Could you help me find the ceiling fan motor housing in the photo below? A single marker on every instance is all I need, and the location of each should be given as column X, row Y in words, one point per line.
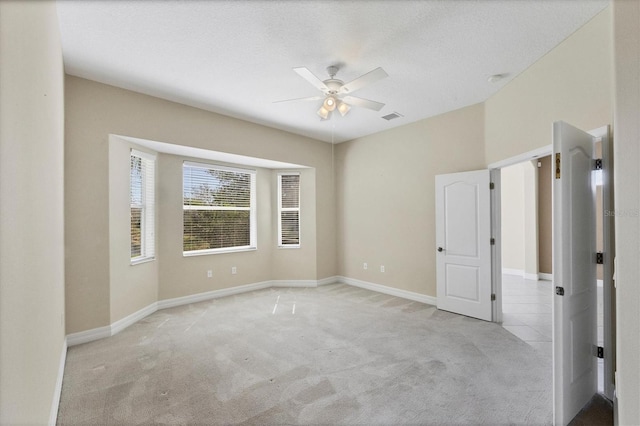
column 334, row 85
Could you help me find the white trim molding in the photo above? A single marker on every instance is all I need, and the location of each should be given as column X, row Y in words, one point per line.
column 405, row 294
column 214, row 294
column 530, row 155
column 125, row 322
column 294, row 283
column 55, row 404
column 527, row 275
column 88, row 335
column 328, row 280
column 516, row 272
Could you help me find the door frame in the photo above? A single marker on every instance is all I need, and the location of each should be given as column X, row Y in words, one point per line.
column 496, row 219
column 608, row 246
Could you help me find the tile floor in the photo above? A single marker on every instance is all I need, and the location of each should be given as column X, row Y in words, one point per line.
column 527, row 310
column 527, row 313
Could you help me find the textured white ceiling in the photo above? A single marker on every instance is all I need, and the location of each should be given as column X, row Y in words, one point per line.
column 236, row 57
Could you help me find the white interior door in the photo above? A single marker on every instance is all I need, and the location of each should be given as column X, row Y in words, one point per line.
column 463, row 234
column 574, row 273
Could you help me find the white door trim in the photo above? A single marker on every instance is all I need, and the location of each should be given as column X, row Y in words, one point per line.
column 496, row 248
column 496, row 220
column 525, row 156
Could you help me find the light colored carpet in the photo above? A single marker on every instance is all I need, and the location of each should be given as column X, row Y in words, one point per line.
column 329, row 355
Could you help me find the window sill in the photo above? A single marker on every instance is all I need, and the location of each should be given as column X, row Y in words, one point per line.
column 217, row 251
column 142, row 260
column 290, row 246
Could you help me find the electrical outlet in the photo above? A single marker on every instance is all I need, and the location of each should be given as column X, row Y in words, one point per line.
column 365, row 266
column 234, row 270
column 381, row 268
column 209, row 273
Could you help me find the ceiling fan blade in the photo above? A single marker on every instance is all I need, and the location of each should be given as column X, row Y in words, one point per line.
column 311, row 78
column 364, row 80
column 364, row 103
column 312, row 98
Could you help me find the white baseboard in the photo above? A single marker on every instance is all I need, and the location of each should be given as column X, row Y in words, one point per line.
column 55, row 404
column 125, row 322
column 88, row 335
column 294, row 283
column 328, row 280
column 214, row 294
column 543, row 276
column 405, row 294
column 526, row 275
column 516, row 272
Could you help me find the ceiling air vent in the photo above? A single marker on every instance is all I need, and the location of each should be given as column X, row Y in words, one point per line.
column 391, row 116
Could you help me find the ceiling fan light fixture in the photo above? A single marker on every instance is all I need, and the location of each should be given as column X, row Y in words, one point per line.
column 329, row 103
column 334, row 90
column 343, row 108
column 323, row 113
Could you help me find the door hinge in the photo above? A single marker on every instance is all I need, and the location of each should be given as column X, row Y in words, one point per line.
column 598, row 164
column 600, row 352
column 558, row 165
column 492, row 185
column 599, row 258
column 560, row 291
column 493, row 297
column 492, row 241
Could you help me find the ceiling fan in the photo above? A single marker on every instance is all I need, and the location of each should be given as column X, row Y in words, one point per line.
column 337, row 93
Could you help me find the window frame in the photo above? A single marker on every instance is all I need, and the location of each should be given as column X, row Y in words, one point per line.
column 253, row 234
column 147, row 207
column 285, row 209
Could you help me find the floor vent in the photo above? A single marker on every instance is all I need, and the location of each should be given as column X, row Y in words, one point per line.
column 392, row 116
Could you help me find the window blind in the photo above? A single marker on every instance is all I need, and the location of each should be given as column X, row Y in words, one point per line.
column 218, row 208
column 142, row 202
column 289, row 210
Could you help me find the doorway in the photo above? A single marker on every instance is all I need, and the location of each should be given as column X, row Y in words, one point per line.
column 527, row 290
column 601, row 187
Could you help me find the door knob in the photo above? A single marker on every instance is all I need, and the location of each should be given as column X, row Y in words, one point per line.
column 440, row 249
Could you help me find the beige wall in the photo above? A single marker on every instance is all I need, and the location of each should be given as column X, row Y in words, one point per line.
column 571, row 83
column 31, row 224
column 519, row 219
column 544, row 216
column 93, row 112
column 512, row 218
column 626, row 56
column 386, row 196
column 530, row 219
